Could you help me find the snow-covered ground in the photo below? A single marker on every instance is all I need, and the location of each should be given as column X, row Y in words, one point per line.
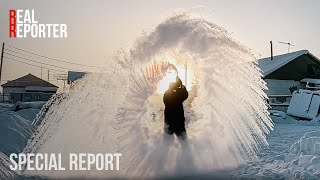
column 293, row 152
column 15, row 130
column 15, row 125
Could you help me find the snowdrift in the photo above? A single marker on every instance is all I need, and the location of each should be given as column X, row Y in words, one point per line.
column 15, row 126
column 27, row 105
column 301, row 161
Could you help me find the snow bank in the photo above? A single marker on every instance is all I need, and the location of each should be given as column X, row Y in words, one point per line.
column 15, row 130
column 5, row 105
column 309, row 144
column 26, row 105
column 301, row 161
column 16, row 127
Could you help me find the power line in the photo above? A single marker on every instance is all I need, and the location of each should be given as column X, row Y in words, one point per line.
column 20, row 53
column 55, row 59
column 32, row 64
column 15, row 52
column 38, row 61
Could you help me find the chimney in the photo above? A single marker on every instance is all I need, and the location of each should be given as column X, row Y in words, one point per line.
column 271, row 50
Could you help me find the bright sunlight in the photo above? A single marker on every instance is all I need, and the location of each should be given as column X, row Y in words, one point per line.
column 186, row 78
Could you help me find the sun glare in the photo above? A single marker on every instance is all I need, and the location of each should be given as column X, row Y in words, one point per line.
column 167, row 79
column 171, row 75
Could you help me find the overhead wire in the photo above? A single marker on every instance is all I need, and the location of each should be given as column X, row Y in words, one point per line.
column 11, row 59
column 55, row 59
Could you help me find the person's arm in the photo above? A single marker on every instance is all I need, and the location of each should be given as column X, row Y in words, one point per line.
column 165, row 98
column 185, row 93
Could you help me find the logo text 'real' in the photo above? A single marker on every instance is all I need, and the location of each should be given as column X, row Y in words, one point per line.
column 23, row 24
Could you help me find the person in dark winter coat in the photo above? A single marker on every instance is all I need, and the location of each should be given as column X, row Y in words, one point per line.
column 174, row 114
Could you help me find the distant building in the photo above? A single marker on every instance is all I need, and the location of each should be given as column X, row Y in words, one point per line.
column 28, row 88
column 74, row 75
column 288, row 72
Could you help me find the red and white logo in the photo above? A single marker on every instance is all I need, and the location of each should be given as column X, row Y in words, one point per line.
column 22, row 24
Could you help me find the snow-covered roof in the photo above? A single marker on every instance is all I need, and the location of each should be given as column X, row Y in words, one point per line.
column 268, row 66
column 28, row 80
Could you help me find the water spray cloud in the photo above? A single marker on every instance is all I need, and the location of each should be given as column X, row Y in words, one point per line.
column 226, row 114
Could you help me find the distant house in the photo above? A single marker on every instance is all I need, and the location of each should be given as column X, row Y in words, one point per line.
column 288, row 72
column 28, row 88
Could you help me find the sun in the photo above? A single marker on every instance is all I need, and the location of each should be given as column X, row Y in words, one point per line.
column 167, row 79
column 184, row 72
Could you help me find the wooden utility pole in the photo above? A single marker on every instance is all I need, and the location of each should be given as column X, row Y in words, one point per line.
column 41, row 72
column 64, row 78
column 271, row 50
column 186, row 74
column 1, row 62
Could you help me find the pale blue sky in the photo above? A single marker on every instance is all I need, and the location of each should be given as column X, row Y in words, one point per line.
column 97, row 29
